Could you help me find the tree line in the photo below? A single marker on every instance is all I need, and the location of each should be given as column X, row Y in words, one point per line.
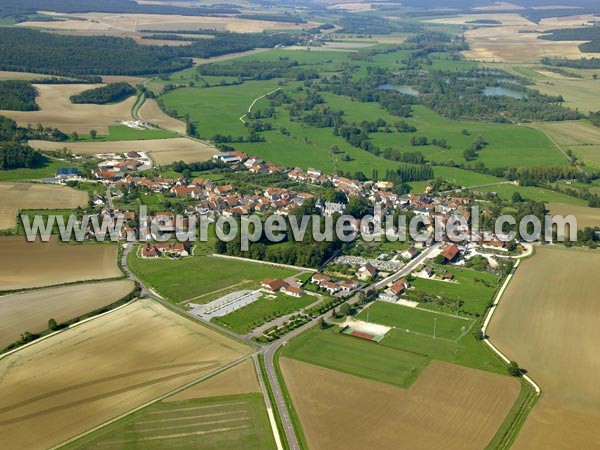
column 18, row 95
column 111, row 93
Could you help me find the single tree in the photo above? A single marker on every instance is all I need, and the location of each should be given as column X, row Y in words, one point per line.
column 514, row 370
column 74, row 136
column 93, row 134
column 52, row 325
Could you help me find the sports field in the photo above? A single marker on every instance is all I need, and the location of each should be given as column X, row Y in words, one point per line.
column 449, row 407
column 547, row 321
column 162, row 151
column 57, row 111
column 36, row 264
column 87, row 375
column 18, row 196
column 30, row 311
column 188, row 278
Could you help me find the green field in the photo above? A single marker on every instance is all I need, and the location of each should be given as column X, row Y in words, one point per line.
column 330, row 349
column 124, row 133
column 47, row 169
column 187, row 278
column 474, row 289
column 262, row 310
column 533, row 193
column 217, row 423
column 412, row 320
column 413, row 332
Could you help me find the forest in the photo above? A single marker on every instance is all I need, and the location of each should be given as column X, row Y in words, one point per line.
column 583, row 63
column 20, row 9
column 111, row 93
column 25, row 50
column 14, row 153
column 591, row 34
column 17, row 95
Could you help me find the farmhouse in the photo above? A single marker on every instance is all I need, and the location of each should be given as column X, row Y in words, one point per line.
column 450, row 253
column 399, row 287
column 410, row 253
column 292, row 291
column 272, row 285
column 166, row 248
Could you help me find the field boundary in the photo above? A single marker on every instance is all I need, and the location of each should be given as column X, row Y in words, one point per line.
column 74, row 325
column 243, row 118
column 151, row 402
column 264, row 263
column 488, row 319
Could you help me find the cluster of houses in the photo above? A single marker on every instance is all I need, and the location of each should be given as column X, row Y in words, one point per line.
column 115, row 166
column 278, row 285
column 334, row 286
column 156, row 250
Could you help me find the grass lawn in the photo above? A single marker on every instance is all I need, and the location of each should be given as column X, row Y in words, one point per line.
column 474, row 289
column 191, row 277
column 123, row 133
column 215, row 423
column 249, row 317
column 328, row 348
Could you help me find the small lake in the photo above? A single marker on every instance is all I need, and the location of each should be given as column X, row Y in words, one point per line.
column 501, row 92
column 402, row 89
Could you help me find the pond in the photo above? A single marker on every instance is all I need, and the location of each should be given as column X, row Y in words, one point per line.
column 402, row 89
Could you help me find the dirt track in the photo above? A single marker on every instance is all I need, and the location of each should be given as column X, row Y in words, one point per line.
column 85, row 376
column 30, row 311
column 35, row 264
column 448, row 407
column 547, row 322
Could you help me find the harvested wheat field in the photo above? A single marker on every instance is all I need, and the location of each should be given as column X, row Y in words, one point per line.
column 87, row 375
column 586, row 217
column 448, row 407
column 57, row 111
column 510, row 44
column 240, row 379
column 163, row 151
column 17, row 196
column 150, row 112
column 547, row 321
column 133, row 22
column 7, row 75
column 31, row 310
column 27, row 265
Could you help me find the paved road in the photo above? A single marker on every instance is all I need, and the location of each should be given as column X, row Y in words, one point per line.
column 270, row 350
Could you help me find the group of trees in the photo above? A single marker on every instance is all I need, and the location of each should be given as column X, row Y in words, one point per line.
column 583, row 63
column 27, row 50
column 595, row 118
column 17, row 95
column 111, row 93
column 260, row 70
column 471, row 152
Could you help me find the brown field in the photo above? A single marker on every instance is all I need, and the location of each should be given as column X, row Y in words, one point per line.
column 87, row 375
column 448, row 407
column 17, row 196
column 135, row 22
column 547, row 322
column 27, row 265
column 30, row 311
column 128, row 79
column 586, row 217
column 150, row 112
column 240, row 379
column 507, row 44
column 464, row 19
column 57, row 111
column 580, row 136
column 163, row 151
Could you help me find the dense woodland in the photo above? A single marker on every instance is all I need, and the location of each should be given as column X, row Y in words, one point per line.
column 583, row 63
column 17, row 95
column 111, row 93
column 591, row 34
column 13, row 152
column 26, row 50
